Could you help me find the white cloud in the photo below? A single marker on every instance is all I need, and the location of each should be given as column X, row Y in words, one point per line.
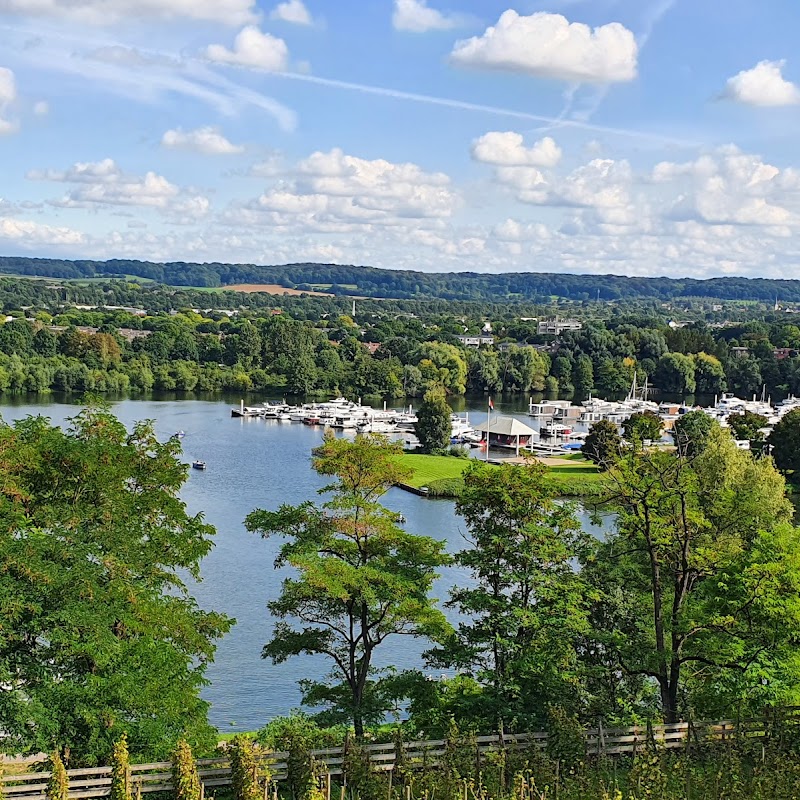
column 208, row 141
column 549, row 46
column 252, row 48
column 107, row 12
column 507, row 149
column 8, row 94
column 103, row 183
column 28, row 232
column 763, row 85
column 512, row 230
column 414, row 16
column 41, row 108
column 729, row 187
column 292, row 11
column 333, row 192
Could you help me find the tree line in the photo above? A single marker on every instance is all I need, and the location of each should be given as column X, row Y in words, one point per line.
column 407, row 284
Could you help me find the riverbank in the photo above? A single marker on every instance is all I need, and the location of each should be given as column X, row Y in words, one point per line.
column 571, row 476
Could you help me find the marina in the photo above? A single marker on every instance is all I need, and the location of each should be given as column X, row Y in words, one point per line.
column 553, row 425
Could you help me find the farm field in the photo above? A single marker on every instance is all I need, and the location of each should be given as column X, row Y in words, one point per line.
column 269, row 288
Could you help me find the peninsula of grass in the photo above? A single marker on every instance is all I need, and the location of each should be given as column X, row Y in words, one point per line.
column 442, row 475
column 427, row 469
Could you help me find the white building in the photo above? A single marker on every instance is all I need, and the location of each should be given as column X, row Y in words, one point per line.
column 476, row 341
column 555, row 327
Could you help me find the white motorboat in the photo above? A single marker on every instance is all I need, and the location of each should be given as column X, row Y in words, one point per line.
column 376, row 426
column 556, row 429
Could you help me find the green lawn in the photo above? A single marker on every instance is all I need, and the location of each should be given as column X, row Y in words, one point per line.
column 570, row 480
column 586, row 470
column 432, row 468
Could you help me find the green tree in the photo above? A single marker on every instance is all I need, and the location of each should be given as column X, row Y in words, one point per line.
column 443, row 364
column 642, row 425
column 709, row 374
column 522, row 617
column 667, row 609
column 45, row 343
column 525, row 369
column 675, row 372
column 359, row 578
column 784, row 442
column 583, row 375
column 747, row 425
column 433, row 426
column 744, row 376
column 603, row 444
column 691, row 431
column 100, row 635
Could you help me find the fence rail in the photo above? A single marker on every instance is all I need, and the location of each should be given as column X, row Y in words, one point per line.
column 91, row 782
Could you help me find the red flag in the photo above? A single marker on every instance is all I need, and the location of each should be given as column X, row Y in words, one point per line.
column 491, row 404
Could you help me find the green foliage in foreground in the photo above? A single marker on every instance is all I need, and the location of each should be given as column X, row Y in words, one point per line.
column 98, row 633
column 740, row 768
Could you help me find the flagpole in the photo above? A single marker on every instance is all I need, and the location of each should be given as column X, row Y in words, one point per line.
column 488, row 427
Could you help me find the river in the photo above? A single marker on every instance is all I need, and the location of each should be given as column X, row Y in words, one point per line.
column 254, row 463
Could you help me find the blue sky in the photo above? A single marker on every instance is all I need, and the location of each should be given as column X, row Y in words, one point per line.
column 642, row 137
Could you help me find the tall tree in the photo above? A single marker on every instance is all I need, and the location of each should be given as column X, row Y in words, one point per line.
column 359, row 578
column 98, row 633
column 433, row 426
column 668, row 607
column 525, row 611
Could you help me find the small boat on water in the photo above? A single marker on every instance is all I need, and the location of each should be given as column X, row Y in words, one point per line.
column 399, row 518
column 198, row 464
column 178, row 435
column 556, row 429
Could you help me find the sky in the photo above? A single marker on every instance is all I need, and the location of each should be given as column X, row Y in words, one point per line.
column 637, row 137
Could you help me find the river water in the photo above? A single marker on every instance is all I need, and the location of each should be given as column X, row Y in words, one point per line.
column 254, row 463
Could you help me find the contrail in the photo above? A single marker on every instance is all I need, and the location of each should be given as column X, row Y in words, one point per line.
column 464, row 105
column 194, row 67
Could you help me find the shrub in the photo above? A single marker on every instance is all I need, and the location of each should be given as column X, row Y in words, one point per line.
column 58, row 783
column 446, row 487
column 457, row 451
column 246, row 777
column 120, row 770
column 185, row 780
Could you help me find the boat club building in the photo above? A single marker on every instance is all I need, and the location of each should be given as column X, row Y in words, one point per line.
column 507, row 432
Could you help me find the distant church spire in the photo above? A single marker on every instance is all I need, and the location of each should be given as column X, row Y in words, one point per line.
column 354, row 308
column 777, row 307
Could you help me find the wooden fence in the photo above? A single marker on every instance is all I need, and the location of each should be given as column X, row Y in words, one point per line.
column 96, row 781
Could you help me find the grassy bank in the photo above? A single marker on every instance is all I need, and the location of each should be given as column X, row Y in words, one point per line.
column 443, row 475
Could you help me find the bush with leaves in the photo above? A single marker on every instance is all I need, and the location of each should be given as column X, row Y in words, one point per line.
column 120, row 770
column 58, row 782
column 248, row 777
column 185, row 780
column 565, row 739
